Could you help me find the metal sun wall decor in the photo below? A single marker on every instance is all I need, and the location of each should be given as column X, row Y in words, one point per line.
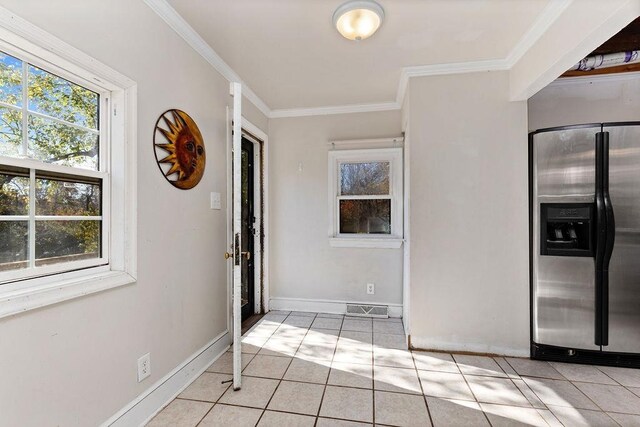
column 179, row 149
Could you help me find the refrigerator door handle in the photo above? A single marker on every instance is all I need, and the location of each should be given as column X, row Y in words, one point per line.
column 610, row 238
column 601, row 334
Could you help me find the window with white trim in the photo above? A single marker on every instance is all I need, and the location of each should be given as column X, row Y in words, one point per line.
column 52, row 174
column 67, row 178
column 366, row 197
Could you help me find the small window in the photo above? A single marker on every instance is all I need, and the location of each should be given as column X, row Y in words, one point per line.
column 366, row 195
column 52, row 174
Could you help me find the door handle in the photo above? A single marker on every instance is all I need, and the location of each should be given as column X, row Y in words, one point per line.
column 247, row 255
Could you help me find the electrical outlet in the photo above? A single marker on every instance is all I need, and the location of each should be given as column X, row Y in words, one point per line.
column 144, row 367
column 371, row 288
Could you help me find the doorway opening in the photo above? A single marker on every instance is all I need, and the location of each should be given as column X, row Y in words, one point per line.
column 252, row 214
column 247, row 244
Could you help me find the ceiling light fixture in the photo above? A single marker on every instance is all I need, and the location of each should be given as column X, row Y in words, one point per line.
column 358, row 19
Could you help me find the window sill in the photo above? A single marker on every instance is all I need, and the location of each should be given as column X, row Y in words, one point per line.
column 365, row 242
column 58, row 288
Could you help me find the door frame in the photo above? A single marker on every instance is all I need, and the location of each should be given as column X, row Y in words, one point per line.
column 261, row 199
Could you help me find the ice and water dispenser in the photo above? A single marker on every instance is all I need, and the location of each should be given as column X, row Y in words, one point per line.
column 567, row 229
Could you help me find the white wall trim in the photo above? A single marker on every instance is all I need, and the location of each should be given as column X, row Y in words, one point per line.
column 546, row 18
column 363, row 242
column 144, row 407
column 337, row 109
column 406, row 250
column 598, row 78
column 426, row 343
column 63, row 287
column 326, row 306
column 191, row 36
column 368, row 142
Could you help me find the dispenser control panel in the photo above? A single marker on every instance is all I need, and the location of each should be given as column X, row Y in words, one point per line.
column 567, row 229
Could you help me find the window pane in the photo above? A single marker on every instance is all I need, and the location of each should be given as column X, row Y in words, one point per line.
column 10, row 80
column 55, row 197
column 10, row 132
column 14, row 238
column 370, row 178
column 66, row 241
column 55, row 142
column 365, row 216
column 14, row 194
column 59, row 98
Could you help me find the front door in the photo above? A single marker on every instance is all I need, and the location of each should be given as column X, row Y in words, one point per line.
column 248, row 222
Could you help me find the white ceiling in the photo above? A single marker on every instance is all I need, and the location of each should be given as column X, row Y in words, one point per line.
column 291, row 56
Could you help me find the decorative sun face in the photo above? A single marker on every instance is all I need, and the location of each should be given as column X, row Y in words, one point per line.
column 184, row 147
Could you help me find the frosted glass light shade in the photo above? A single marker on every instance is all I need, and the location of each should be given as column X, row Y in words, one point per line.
column 358, row 19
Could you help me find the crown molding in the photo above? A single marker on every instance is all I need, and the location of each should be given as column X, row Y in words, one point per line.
column 337, row 109
column 446, row 69
column 547, row 17
column 191, row 36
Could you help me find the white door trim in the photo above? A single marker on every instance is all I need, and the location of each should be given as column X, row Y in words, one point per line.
column 236, row 91
column 262, row 295
column 259, row 140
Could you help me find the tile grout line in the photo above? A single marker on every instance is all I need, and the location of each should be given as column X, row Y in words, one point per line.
column 373, row 376
column 241, row 369
column 471, row 390
column 608, row 376
column 553, row 379
column 290, row 362
column 324, row 391
column 424, row 396
column 585, row 395
column 373, row 388
column 261, row 347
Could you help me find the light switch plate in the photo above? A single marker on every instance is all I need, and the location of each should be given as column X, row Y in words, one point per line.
column 216, row 201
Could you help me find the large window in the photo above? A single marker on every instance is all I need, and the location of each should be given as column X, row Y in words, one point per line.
column 366, row 197
column 51, row 174
column 67, row 171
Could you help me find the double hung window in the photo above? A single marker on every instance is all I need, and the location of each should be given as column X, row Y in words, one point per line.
column 67, row 171
column 366, row 197
column 54, row 182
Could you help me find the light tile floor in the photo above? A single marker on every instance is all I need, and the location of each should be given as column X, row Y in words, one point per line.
column 308, row 369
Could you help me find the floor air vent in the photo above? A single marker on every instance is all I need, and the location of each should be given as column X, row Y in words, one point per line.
column 368, row 310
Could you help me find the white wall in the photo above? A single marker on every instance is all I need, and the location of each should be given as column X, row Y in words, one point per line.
column 469, row 226
column 607, row 98
column 303, row 265
column 74, row 363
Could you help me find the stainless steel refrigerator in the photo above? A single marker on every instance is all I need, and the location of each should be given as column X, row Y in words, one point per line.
column 585, row 243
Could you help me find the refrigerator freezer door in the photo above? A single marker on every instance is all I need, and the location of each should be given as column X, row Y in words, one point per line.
column 563, row 286
column 624, row 266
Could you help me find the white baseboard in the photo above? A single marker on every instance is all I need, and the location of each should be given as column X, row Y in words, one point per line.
column 425, row 343
column 325, row 306
column 148, row 404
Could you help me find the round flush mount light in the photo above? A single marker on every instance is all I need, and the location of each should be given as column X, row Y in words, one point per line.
column 358, row 19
